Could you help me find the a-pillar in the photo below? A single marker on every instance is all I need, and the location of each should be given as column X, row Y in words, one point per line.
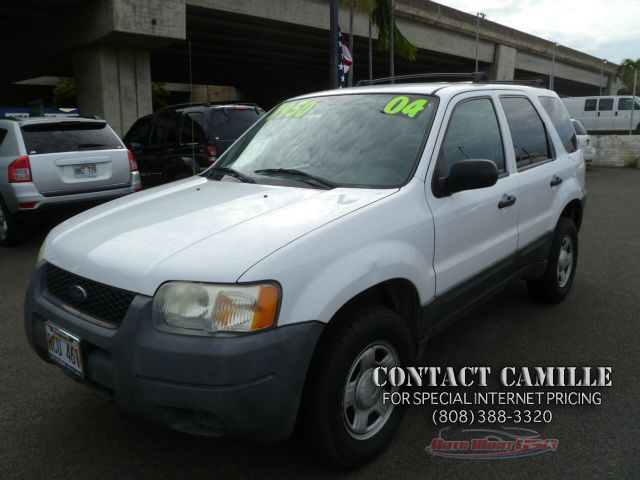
column 504, row 63
column 113, row 83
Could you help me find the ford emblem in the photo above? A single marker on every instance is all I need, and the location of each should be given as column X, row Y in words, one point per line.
column 77, row 293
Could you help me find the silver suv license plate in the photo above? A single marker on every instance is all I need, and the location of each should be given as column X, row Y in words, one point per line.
column 64, row 349
column 87, row 170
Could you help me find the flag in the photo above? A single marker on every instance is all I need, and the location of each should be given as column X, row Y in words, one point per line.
column 344, row 59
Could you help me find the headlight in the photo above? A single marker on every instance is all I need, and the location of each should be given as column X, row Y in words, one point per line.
column 41, row 252
column 203, row 309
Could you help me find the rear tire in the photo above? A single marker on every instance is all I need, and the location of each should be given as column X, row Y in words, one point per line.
column 344, row 419
column 11, row 232
column 555, row 283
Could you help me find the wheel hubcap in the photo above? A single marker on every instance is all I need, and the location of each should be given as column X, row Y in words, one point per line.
column 565, row 261
column 363, row 412
column 4, row 228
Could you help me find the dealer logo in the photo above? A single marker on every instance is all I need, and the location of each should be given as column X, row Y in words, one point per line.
column 77, row 293
column 483, row 444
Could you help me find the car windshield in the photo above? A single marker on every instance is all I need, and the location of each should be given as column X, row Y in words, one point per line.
column 356, row 140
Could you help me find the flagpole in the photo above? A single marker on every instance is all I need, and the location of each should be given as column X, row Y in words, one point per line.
column 351, row 48
column 333, row 51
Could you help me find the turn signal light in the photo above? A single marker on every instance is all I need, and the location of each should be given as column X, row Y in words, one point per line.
column 20, row 170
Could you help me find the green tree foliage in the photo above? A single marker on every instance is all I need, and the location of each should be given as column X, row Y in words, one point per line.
column 379, row 13
column 64, row 93
column 159, row 95
column 625, row 73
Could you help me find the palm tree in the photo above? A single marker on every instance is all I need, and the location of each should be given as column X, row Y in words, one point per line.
column 626, row 72
column 378, row 12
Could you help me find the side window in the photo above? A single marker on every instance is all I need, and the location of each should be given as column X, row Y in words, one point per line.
column 605, row 104
column 191, row 131
column 561, row 121
column 530, row 141
column 165, row 128
column 473, row 133
column 590, row 105
column 139, row 132
column 625, row 104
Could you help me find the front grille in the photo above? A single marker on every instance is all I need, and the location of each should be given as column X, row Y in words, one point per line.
column 102, row 302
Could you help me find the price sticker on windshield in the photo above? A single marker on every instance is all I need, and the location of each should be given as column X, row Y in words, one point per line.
column 295, row 109
column 405, row 107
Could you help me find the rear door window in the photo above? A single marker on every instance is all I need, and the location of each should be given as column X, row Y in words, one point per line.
column 530, row 142
column 230, row 123
column 139, row 132
column 68, row 137
column 561, row 121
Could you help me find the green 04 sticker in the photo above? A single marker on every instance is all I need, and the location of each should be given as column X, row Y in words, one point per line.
column 296, row 109
column 402, row 105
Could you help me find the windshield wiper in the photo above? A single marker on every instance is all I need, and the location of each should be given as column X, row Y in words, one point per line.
column 90, row 145
column 232, row 172
column 306, row 177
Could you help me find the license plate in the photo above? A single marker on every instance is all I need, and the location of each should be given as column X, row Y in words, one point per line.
column 64, row 349
column 87, row 170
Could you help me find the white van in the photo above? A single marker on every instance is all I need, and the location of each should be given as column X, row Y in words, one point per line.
column 608, row 113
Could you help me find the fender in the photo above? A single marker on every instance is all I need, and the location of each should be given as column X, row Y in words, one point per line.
column 394, row 240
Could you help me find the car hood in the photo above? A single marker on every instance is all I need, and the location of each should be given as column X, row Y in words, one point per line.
column 195, row 230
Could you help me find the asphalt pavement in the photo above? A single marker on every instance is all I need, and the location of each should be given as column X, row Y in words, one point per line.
column 53, row 427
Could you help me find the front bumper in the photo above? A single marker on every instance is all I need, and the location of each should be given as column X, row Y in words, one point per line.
column 247, row 386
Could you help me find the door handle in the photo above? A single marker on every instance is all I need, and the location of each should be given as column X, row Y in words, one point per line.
column 506, row 201
column 598, row 113
column 555, row 181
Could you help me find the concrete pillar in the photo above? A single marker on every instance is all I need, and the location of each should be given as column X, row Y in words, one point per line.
column 113, row 83
column 504, row 63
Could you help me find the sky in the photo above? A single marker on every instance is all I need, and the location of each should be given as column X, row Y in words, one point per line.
column 605, row 29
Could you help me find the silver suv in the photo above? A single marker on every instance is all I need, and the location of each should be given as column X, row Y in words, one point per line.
column 53, row 162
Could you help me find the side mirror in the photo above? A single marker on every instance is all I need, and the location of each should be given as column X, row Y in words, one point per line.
column 470, row 175
column 135, row 147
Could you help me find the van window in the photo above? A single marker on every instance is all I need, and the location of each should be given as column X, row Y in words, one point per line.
column 562, row 121
column 590, row 105
column 625, row 104
column 530, row 141
column 605, row 104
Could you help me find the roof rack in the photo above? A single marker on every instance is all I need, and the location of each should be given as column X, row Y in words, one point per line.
column 475, row 77
column 186, row 105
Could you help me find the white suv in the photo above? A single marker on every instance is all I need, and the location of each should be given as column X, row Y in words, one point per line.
column 338, row 234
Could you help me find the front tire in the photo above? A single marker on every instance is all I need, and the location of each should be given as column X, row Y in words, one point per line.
column 344, row 418
column 555, row 283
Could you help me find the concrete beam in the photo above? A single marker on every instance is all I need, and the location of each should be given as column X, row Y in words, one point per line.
column 504, row 63
column 114, row 84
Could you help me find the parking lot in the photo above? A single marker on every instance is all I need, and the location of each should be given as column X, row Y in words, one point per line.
column 53, row 427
